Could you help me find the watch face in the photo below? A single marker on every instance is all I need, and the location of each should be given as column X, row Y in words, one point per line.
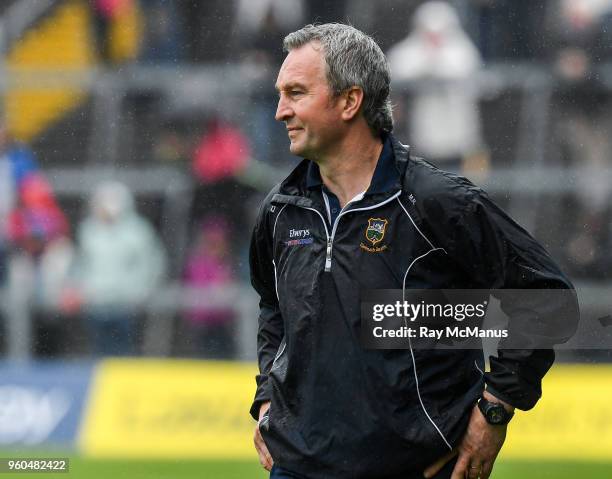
column 496, row 416
column 494, row 413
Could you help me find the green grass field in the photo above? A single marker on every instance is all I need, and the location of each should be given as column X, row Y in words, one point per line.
column 85, row 468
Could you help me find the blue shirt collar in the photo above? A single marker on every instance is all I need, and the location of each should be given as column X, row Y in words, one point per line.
column 385, row 178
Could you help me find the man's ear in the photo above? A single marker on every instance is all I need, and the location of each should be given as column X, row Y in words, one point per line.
column 353, row 98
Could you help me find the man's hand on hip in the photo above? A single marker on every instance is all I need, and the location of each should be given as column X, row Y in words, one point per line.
column 264, row 455
column 477, row 450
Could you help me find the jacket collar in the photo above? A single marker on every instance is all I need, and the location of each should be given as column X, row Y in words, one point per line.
column 304, row 180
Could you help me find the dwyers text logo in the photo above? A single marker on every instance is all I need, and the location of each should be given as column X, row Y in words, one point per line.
column 299, row 237
column 298, row 233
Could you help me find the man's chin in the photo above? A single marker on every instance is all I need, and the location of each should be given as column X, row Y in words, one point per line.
column 296, row 149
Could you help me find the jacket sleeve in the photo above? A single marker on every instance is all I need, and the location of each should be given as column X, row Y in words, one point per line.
column 270, row 329
column 499, row 254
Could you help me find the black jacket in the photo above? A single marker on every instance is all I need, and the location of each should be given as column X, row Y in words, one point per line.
column 339, row 410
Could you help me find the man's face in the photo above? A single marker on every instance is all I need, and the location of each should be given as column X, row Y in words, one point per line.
column 306, row 104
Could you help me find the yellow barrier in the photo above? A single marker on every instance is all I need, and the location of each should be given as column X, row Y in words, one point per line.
column 163, row 408
column 181, row 408
column 573, row 420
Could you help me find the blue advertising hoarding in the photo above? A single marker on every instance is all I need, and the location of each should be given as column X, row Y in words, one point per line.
column 42, row 403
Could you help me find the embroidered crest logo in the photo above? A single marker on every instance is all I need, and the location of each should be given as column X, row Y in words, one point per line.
column 375, row 231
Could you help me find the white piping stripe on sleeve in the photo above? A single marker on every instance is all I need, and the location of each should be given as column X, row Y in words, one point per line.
column 273, row 262
column 275, row 281
column 279, row 353
column 416, row 377
column 281, row 350
column 421, row 401
column 415, row 225
column 415, row 260
column 276, row 220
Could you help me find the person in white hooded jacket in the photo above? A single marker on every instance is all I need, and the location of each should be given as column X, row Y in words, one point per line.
column 120, row 262
column 443, row 117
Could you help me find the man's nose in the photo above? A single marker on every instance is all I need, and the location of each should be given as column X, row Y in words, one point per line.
column 283, row 112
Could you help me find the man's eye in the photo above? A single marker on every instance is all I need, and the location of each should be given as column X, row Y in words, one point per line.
column 296, row 92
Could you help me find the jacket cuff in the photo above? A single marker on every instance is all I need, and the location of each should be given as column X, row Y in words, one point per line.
column 262, row 395
column 505, row 382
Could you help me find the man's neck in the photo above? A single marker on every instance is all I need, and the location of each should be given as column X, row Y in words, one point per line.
column 349, row 171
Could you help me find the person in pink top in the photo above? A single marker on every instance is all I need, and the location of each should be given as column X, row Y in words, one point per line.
column 208, row 266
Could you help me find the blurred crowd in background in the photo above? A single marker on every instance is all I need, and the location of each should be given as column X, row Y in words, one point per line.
column 514, row 94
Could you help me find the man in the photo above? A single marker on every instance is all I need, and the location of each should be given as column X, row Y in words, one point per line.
column 326, row 406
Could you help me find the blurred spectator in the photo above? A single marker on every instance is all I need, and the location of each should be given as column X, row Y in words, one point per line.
column 31, row 225
column 222, row 153
column 102, row 14
column 46, row 279
column 443, row 116
column 506, row 29
column 208, row 266
column 16, row 165
column 262, row 25
column 36, row 226
column 120, row 263
column 162, row 41
column 581, row 41
column 37, row 219
column 117, row 29
column 581, row 36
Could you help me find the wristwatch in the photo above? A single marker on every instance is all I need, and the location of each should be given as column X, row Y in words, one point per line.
column 495, row 413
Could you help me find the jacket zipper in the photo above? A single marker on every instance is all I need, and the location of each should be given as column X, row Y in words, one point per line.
column 330, row 238
column 328, row 254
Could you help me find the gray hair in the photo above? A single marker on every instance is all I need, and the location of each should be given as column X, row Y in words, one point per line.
column 352, row 58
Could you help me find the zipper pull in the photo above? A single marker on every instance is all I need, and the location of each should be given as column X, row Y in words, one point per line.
column 328, row 255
